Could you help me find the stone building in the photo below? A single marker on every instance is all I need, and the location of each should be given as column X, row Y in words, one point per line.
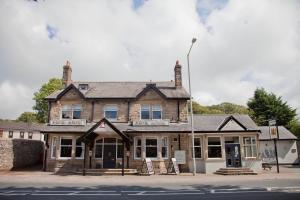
column 115, row 124
column 21, row 130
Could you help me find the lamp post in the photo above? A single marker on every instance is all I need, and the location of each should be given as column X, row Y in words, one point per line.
column 191, row 108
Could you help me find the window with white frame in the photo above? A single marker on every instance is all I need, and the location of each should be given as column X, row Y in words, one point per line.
column 250, row 146
column 21, row 134
column 137, row 148
column 79, row 151
column 111, row 112
column 71, row 112
column 197, row 147
column 151, row 112
column 10, row 134
column 99, row 148
column 214, row 147
column 65, row 147
column 29, row 135
column 164, row 147
column 54, row 147
column 156, row 112
column 151, row 148
column 145, row 112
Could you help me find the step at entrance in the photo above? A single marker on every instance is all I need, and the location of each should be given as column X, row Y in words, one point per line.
column 101, row 172
column 235, row 171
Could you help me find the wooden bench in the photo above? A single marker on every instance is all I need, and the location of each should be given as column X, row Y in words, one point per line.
column 266, row 165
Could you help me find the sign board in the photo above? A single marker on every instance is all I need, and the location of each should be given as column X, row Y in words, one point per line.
column 272, row 122
column 162, row 122
column 173, row 166
column 147, row 167
column 90, row 153
column 180, row 156
column 273, row 132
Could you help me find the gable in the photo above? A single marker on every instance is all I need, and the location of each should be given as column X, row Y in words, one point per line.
column 70, row 93
column 232, row 125
column 150, row 94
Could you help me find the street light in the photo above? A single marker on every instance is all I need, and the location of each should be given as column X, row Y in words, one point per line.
column 191, row 108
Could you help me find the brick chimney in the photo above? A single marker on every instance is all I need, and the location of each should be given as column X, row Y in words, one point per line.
column 178, row 77
column 67, row 74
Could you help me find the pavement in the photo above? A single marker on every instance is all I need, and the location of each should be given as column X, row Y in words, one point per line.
column 28, row 184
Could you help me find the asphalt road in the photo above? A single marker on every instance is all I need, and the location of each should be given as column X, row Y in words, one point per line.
column 136, row 193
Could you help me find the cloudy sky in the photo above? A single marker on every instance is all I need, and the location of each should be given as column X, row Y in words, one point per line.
column 241, row 45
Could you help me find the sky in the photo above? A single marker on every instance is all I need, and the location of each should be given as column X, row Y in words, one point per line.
column 241, row 45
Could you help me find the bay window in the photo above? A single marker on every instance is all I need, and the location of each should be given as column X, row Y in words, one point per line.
column 197, row 148
column 137, row 148
column 214, row 147
column 79, row 151
column 164, row 147
column 250, row 146
column 54, row 147
column 65, row 147
column 151, row 148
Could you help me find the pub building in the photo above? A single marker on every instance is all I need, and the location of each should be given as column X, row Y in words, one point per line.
column 115, row 125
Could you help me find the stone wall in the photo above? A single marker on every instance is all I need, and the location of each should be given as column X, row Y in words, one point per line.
column 19, row 153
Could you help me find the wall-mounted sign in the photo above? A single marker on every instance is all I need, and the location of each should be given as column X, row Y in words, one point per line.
column 180, row 156
column 90, row 153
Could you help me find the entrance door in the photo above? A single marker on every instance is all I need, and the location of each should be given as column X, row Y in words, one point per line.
column 109, row 153
column 233, row 155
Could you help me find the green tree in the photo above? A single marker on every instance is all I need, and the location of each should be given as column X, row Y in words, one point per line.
column 294, row 127
column 265, row 106
column 230, row 108
column 27, row 117
column 41, row 105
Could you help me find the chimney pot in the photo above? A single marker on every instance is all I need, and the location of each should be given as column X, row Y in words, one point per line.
column 67, row 74
column 178, row 76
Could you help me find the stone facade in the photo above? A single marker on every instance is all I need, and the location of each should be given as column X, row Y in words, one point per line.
column 18, row 153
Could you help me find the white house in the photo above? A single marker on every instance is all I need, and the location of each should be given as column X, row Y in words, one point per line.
column 286, row 146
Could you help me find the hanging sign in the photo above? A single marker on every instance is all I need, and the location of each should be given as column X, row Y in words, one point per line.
column 173, row 166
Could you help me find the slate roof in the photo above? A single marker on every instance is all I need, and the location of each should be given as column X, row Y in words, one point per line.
column 202, row 123
column 125, row 89
column 284, row 134
column 23, row 126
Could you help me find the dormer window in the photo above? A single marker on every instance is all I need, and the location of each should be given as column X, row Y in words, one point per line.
column 83, row 86
column 151, row 112
column 111, row 112
column 71, row 112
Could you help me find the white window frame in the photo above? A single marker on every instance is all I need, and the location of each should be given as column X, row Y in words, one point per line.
column 135, row 146
column 65, row 137
column 145, row 105
column 52, row 146
column 214, row 146
column 157, row 146
column 30, row 135
column 22, row 133
column 156, row 108
column 102, row 147
column 251, row 146
column 83, row 149
column 165, row 145
column 111, row 108
column 10, row 134
column 71, row 108
column 197, row 146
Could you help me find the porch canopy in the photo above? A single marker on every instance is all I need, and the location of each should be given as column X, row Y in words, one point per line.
column 103, row 126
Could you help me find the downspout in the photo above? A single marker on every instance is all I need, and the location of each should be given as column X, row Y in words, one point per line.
column 128, row 110
column 178, row 114
column 93, row 108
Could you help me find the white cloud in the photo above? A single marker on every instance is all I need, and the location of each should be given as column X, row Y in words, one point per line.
column 15, row 99
column 242, row 45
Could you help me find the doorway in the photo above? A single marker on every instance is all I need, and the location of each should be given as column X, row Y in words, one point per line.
column 109, row 153
column 233, row 155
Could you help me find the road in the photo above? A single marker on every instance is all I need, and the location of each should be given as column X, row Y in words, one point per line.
column 136, row 193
